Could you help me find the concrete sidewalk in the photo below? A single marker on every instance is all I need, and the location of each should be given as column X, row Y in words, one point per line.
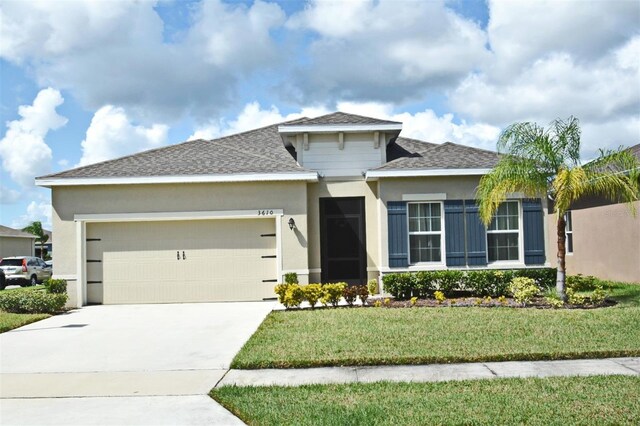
column 432, row 373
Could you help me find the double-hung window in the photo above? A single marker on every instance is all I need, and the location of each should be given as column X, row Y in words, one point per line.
column 503, row 235
column 568, row 232
column 425, row 232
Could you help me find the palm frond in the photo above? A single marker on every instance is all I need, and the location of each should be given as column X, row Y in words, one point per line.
column 566, row 140
column 512, row 174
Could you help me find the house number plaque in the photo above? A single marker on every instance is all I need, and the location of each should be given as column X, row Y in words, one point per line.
column 265, row 212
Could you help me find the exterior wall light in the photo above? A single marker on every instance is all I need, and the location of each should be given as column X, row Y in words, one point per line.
column 292, row 223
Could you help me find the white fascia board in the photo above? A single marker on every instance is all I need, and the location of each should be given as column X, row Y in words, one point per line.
column 163, row 216
column 334, row 128
column 18, row 236
column 254, row 177
column 373, row 174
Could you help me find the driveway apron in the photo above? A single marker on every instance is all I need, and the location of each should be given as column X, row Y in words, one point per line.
column 124, row 364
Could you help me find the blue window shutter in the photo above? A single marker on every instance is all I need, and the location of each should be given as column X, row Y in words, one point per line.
column 533, row 232
column 398, row 236
column 454, row 232
column 476, row 235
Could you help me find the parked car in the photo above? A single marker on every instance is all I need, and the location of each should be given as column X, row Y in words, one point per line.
column 25, row 270
column 3, row 280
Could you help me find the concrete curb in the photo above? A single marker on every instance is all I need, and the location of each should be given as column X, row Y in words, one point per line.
column 432, row 373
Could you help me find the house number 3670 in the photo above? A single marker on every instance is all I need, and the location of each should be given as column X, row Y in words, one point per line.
column 265, row 212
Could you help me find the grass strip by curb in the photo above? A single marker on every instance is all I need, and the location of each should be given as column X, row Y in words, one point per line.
column 601, row 400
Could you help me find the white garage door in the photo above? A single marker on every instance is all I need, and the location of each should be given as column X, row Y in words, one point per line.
column 181, row 261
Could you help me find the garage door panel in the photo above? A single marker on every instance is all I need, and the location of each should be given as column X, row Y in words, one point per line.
column 184, row 261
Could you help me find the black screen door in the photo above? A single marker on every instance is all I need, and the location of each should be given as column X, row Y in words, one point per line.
column 342, row 240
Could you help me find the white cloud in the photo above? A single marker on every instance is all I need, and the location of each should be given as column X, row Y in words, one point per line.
column 383, row 50
column 252, row 117
column 112, row 135
column 114, row 52
column 23, row 150
column 424, row 125
column 36, row 211
column 522, row 32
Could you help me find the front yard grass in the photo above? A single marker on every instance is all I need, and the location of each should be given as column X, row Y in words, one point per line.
column 10, row 321
column 381, row 336
column 602, row 400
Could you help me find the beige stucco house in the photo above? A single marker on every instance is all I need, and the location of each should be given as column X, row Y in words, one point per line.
column 335, row 198
column 602, row 238
column 14, row 242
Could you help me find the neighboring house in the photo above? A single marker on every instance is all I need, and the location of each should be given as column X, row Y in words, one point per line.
column 603, row 238
column 48, row 246
column 14, row 242
column 335, row 198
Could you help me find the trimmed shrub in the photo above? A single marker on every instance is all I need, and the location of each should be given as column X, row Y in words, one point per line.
column 363, row 294
column 372, row 286
column 291, row 278
column 523, row 289
column 544, row 277
column 582, row 283
column 281, row 290
column 56, row 286
column 449, row 281
column 293, row 297
column 332, row 293
column 350, row 294
column 598, row 295
column 32, row 302
column 400, row 286
column 424, row 283
column 312, row 294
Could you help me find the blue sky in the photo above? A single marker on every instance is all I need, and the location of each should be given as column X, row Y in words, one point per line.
column 87, row 81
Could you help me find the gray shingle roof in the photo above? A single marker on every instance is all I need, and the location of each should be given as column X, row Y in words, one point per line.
column 5, row 231
column 255, row 151
column 261, row 151
column 343, row 118
column 445, row 156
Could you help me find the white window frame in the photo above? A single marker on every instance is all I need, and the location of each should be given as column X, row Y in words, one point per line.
column 520, row 233
column 568, row 219
column 443, row 251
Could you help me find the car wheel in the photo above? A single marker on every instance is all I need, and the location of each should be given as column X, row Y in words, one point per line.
column 33, row 281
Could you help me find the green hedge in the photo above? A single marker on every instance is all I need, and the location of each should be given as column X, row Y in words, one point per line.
column 32, row 302
column 486, row 282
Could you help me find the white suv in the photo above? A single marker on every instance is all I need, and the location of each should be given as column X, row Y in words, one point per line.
column 25, row 270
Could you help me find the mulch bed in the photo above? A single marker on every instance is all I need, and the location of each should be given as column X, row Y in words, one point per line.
column 481, row 302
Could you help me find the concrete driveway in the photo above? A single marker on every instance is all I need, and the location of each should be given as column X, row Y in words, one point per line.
column 125, row 364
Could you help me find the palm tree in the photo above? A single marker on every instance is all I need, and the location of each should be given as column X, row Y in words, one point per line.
column 539, row 163
column 41, row 237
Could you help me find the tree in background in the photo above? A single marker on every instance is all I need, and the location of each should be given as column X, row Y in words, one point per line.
column 546, row 163
column 41, row 237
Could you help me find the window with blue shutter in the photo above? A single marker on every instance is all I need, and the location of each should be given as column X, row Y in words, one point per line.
column 476, row 235
column 533, row 225
column 397, row 235
column 454, row 232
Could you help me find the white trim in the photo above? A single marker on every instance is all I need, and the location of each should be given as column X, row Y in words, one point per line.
column 18, row 236
column 160, row 216
column 68, row 277
column 249, row 177
column 425, row 172
column 443, row 249
column 315, row 270
column 81, row 282
column 424, row 197
column 427, row 267
column 519, row 231
column 279, row 272
column 334, row 128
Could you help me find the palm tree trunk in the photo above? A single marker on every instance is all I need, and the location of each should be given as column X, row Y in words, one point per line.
column 560, row 277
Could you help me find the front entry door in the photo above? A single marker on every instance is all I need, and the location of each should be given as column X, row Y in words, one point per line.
column 342, row 240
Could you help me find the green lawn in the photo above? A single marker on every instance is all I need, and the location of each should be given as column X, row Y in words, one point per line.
column 377, row 336
column 10, row 321
column 603, row 400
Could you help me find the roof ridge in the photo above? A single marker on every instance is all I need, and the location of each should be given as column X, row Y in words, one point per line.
column 466, row 146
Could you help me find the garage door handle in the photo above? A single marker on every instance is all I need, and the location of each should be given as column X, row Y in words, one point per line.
column 183, row 256
column 178, row 254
